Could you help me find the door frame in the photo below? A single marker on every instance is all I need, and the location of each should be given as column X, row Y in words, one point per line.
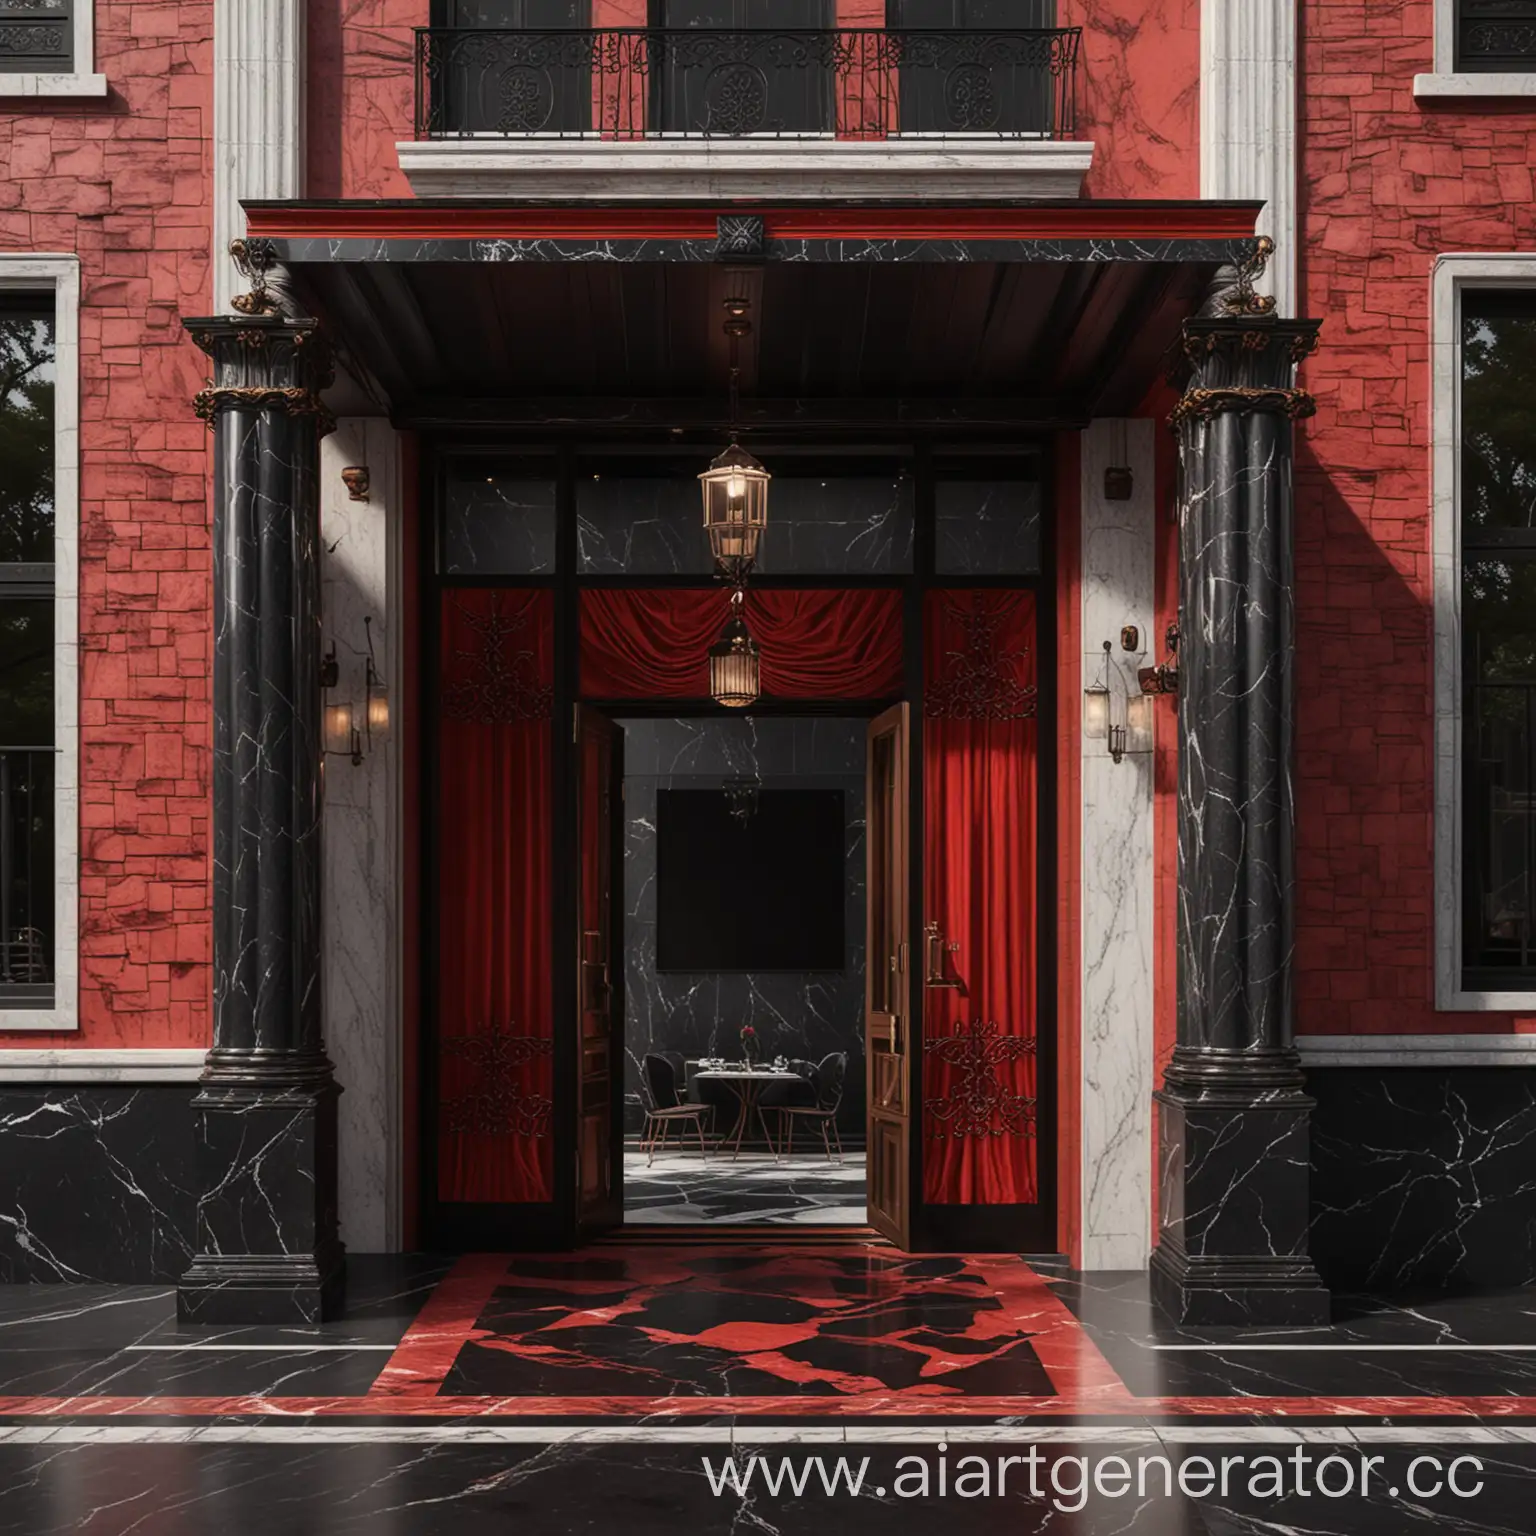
column 533, row 1227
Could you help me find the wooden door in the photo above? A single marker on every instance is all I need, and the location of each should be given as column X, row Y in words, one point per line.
column 599, row 1001
column 887, row 977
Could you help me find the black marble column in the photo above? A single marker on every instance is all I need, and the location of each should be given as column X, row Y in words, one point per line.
column 1233, row 1116
column 266, row 1248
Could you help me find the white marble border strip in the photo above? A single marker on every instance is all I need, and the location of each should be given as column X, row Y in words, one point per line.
column 103, row 1066
column 60, row 273
column 1135, row 1432
column 1248, row 121
column 1417, row 1050
column 1117, row 584
column 1452, row 275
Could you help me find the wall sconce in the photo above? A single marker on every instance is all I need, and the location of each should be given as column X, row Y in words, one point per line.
column 1096, row 704
column 349, row 730
column 355, row 478
column 342, row 738
column 1164, row 677
column 1123, row 721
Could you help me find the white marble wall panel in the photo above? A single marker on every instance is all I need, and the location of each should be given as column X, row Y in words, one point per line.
column 361, row 883
column 1248, row 121
column 1118, row 571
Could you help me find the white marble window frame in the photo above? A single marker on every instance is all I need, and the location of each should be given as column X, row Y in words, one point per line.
column 1468, row 85
column 59, row 273
column 80, row 81
column 1453, row 276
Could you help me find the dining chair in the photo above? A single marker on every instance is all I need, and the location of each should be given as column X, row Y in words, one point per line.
column 830, row 1074
column 665, row 1109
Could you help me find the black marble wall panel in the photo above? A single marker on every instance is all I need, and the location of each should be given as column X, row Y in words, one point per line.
column 96, row 1183
column 651, row 525
column 987, row 527
column 796, row 1014
column 1424, row 1177
column 498, row 521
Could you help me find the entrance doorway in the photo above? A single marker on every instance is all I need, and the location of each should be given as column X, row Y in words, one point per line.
column 694, row 966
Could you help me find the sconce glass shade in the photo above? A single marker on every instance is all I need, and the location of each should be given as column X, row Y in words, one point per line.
column 1139, row 723
column 735, row 665
column 735, row 490
column 1096, row 712
column 338, row 728
column 378, row 710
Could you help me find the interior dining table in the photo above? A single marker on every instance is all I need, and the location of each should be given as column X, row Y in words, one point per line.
column 748, row 1084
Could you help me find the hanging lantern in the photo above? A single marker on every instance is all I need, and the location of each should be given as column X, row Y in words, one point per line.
column 735, row 509
column 735, row 669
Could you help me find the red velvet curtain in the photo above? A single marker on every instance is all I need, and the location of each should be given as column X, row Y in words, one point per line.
column 980, row 739
column 495, row 1013
column 654, row 643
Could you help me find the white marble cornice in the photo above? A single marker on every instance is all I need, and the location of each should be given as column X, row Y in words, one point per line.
column 788, row 170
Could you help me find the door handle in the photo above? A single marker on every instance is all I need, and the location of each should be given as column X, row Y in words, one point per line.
column 935, row 950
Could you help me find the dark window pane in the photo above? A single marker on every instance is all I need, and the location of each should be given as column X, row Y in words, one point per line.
column 1499, row 814
column 987, row 527
column 1498, row 414
column 732, row 67
column 26, row 674
column 639, row 520
column 37, row 37
column 498, row 520
column 1496, row 35
column 26, row 435
column 26, row 879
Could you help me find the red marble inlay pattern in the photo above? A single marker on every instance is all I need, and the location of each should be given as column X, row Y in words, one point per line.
column 905, row 1335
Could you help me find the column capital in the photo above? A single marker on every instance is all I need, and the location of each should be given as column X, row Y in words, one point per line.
column 264, row 362
column 1242, row 363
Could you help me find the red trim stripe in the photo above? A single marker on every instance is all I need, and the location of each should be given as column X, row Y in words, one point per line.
column 432, row 221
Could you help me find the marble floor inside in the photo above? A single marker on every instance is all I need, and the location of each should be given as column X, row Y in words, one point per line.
column 802, row 1189
column 789, row 1384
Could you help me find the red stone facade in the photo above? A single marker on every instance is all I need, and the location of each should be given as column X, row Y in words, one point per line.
column 1389, row 183
column 126, row 184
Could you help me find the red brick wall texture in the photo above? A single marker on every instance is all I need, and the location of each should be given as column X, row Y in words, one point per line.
column 125, row 184
column 1388, row 184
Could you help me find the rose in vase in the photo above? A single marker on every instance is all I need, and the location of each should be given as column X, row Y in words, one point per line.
column 748, row 1044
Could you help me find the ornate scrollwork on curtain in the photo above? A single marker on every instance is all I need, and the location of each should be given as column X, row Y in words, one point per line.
column 980, row 682
column 500, row 685
column 977, row 1104
column 496, row 1104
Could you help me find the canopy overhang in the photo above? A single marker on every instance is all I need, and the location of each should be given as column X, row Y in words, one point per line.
column 868, row 318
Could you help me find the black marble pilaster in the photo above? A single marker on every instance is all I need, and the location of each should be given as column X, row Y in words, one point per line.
column 1233, row 1117
column 267, row 1248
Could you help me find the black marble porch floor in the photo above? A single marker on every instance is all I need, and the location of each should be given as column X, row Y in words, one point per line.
column 803, row 1190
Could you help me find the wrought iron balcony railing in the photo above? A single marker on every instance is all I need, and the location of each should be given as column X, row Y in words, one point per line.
column 695, row 83
column 1496, row 35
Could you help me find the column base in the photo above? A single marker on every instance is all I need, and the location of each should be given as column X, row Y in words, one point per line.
column 1219, row 1293
column 1234, row 1200
column 295, row 1292
column 268, row 1249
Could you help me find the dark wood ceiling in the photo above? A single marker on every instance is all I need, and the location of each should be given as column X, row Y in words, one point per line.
column 1046, row 343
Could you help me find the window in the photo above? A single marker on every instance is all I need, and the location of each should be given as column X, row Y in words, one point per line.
column 38, row 750
column 1482, row 48
column 47, row 49
column 1495, row 36
column 1498, row 640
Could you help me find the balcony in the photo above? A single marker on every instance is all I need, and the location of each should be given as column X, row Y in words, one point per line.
column 643, row 113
